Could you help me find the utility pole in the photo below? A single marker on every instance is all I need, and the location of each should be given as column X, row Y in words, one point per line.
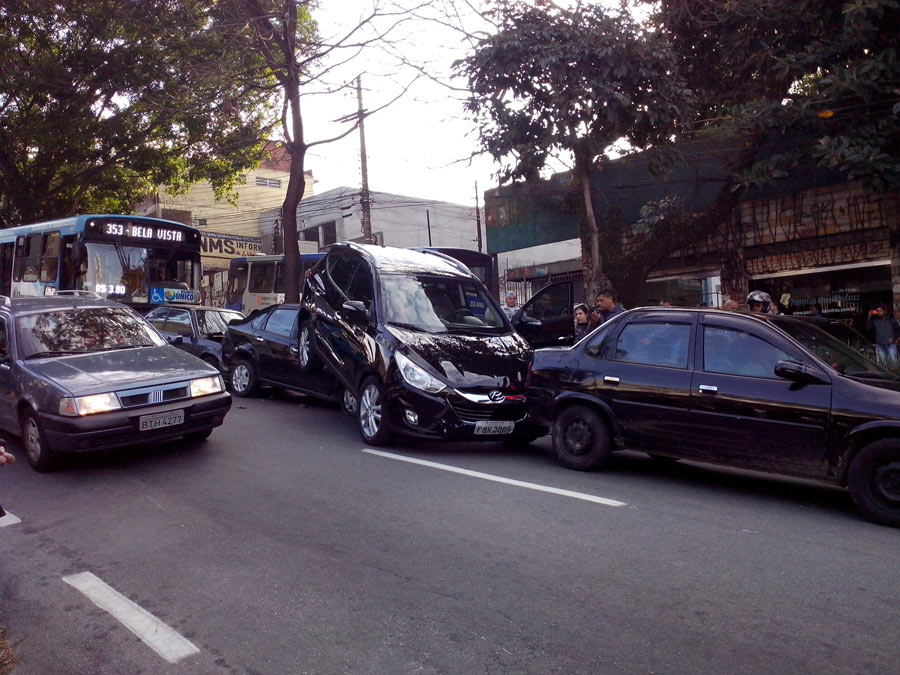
column 477, row 219
column 364, row 195
column 428, row 221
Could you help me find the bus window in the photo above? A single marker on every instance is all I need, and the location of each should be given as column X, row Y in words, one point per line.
column 262, row 277
column 279, row 277
column 50, row 257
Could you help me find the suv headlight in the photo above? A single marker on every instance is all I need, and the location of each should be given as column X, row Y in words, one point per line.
column 205, row 386
column 88, row 405
column 416, row 376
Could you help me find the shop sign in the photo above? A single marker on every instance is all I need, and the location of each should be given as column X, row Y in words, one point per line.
column 835, row 255
column 229, row 246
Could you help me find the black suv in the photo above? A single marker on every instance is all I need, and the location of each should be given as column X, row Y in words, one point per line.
column 80, row 374
column 420, row 341
column 771, row 393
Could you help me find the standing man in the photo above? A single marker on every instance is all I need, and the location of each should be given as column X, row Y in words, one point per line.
column 511, row 306
column 5, row 458
column 605, row 306
column 886, row 330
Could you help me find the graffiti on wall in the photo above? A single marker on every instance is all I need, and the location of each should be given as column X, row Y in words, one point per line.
column 833, row 255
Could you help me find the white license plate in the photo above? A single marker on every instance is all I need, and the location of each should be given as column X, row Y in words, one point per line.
column 494, row 428
column 158, row 420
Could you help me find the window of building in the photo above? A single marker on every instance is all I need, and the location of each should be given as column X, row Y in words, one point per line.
column 329, row 233
column 268, row 182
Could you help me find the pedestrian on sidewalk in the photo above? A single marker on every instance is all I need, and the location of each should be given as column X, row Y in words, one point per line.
column 582, row 321
column 511, row 306
column 886, row 331
column 5, row 458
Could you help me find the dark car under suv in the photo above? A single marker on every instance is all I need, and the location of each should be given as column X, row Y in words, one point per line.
column 80, row 374
column 770, row 393
column 420, row 341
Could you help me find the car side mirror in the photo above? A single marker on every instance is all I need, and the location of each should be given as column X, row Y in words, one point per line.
column 799, row 373
column 355, row 309
column 176, row 340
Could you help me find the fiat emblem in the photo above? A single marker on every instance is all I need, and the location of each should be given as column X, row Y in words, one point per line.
column 497, row 396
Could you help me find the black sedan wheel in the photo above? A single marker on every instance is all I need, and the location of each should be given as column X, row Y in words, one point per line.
column 373, row 413
column 349, row 402
column 309, row 360
column 581, row 438
column 243, row 378
column 37, row 451
column 874, row 482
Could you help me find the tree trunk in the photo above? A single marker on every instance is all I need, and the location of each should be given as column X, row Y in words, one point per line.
column 296, row 186
column 595, row 279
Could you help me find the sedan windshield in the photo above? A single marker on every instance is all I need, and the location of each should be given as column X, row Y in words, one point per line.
column 79, row 331
column 439, row 305
column 840, row 356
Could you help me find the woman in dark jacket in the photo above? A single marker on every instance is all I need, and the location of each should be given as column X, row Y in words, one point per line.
column 582, row 321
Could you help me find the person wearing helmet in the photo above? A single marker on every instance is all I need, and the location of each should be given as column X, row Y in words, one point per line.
column 761, row 302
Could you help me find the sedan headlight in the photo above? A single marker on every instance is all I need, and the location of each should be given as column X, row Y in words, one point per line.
column 88, row 405
column 416, row 377
column 205, row 386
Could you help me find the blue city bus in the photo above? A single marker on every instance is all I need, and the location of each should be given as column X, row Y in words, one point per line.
column 136, row 260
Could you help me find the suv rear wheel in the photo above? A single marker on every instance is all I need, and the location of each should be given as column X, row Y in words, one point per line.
column 874, row 481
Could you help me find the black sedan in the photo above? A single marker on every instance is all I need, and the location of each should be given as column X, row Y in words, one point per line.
column 196, row 329
column 81, row 374
column 770, row 393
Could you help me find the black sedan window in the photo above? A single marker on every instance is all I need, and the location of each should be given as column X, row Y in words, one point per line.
column 281, row 321
column 656, row 344
column 77, row 331
column 736, row 352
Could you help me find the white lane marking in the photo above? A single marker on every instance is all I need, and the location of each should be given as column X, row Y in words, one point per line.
column 498, row 479
column 158, row 636
column 9, row 519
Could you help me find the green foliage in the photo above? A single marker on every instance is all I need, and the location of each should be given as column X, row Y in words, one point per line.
column 101, row 100
column 822, row 77
column 551, row 80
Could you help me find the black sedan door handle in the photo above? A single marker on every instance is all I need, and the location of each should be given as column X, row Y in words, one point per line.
column 708, row 389
column 258, row 339
column 610, row 379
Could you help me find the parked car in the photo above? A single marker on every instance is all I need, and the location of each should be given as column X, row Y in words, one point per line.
column 196, row 329
column 262, row 350
column 80, row 374
column 770, row 393
column 420, row 341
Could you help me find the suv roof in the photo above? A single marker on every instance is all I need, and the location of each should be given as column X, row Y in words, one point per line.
column 403, row 260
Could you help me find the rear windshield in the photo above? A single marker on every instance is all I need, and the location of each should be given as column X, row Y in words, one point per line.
column 79, row 331
column 436, row 304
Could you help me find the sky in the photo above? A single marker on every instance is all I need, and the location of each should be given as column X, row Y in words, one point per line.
column 419, row 146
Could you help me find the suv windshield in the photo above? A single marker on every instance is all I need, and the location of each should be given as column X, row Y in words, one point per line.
column 439, row 304
column 835, row 353
column 78, row 331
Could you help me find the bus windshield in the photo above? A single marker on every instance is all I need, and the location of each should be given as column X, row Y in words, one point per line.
column 127, row 272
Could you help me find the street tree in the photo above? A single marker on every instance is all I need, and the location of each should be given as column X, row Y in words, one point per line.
column 100, row 101
column 575, row 83
column 304, row 63
column 817, row 81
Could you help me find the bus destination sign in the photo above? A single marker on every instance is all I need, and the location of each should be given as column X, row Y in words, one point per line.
column 148, row 232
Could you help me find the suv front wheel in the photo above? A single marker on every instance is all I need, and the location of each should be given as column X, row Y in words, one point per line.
column 373, row 412
column 306, row 354
column 874, row 481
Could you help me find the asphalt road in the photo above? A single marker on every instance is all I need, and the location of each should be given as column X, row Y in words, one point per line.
column 282, row 546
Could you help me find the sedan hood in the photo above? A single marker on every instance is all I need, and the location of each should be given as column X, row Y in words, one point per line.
column 472, row 361
column 95, row 372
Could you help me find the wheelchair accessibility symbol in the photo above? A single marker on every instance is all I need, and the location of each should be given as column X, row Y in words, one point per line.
column 157, row 296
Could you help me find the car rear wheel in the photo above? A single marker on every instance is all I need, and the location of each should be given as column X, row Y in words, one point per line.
column 38, row 452
column 373, row 412
column 349, row 402
column 243, row 378
column 581, row 438
column 874, row 482
column 309, row 360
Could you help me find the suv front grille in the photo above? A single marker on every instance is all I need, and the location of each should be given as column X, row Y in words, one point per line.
column 175, row 391
column 476, row 412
